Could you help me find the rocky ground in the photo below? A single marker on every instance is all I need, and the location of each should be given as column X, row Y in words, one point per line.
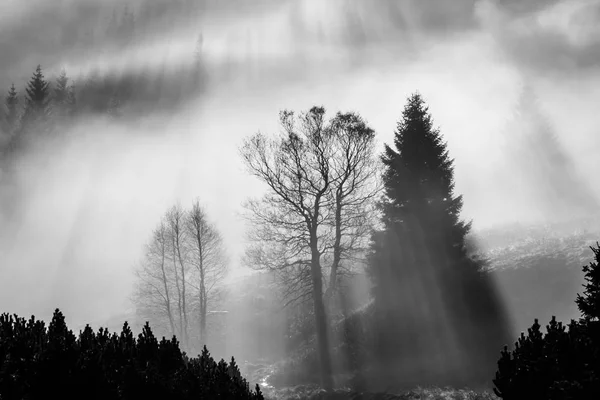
column 315, row 393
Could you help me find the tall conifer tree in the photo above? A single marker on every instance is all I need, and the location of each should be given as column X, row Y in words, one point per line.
column 37, row 103
column 12, row 113
column 433, row 299
column 64, row 97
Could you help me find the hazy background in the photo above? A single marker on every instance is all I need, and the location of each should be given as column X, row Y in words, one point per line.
column 90, row 203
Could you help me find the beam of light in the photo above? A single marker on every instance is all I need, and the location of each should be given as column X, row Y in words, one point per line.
column 124, row 175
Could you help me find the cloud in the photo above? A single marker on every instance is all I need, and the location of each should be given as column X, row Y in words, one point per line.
column 547, row 36
column 560, row 38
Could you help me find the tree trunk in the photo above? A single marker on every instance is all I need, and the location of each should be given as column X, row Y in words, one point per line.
column 183, row 295
column 204, row 312
column 164, row 278
column 202, row 294
column 320, row 315
column 337, row 257
column 178, row 292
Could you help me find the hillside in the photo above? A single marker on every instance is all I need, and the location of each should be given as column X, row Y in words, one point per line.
column 537, row 270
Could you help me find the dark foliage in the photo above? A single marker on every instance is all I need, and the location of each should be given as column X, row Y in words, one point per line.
column 34, row 116
column 432, row 299
column 589, row 302
column 37, row 100
column 563, row 363
column 38, row 362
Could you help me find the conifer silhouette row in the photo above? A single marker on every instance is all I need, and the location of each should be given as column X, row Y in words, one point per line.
column 38, row 362
column 563, row 363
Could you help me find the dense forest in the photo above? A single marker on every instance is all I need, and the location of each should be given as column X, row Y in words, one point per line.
column 365, row 276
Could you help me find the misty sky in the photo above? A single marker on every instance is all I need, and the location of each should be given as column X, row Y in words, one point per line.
column 92, row 205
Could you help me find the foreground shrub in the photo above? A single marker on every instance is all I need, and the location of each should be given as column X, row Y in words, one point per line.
column 563, row 363
column 37, row 363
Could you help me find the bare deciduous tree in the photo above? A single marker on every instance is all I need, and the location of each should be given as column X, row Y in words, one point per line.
column 207, row 255
column 152, row 294
column 354, row 173
column 177, row 240
column 321, row 179
column 182, row 268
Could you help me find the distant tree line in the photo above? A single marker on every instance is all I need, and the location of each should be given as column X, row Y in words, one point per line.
column 47, row 107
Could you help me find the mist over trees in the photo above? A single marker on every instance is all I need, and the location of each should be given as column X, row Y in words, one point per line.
column 48, row 101
column 11, row 114
column 335, row 211
column 180, row 275
column 435, row 313
column 548, row 173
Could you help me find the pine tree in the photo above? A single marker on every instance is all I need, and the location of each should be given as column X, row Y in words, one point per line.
column 12, row 112
column 420, row 180
column 563, row 363
column 37, row 103
column 64, row 97
column 419, row 205
column 420, row 256
column 589, row 302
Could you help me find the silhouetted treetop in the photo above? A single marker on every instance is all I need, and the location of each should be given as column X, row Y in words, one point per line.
column 41, row 363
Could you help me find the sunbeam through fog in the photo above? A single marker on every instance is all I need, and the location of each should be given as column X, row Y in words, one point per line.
column 77, row 209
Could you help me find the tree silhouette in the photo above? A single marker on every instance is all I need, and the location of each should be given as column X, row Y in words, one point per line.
column 40, row 362
column 181, row 275
column 432, row 299
column 37, row 104
column 564, row 362
column 320, row 177
column 11, row 116
column 63, row 101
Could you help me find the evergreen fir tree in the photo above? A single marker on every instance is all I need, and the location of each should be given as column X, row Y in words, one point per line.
column 12, row 113
column 61, row 89
column 419, row 203
column 64, row 97
column 419, row 180
column 420, row 257
column 563, row 363
column 589, row 302
column 37, row 106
